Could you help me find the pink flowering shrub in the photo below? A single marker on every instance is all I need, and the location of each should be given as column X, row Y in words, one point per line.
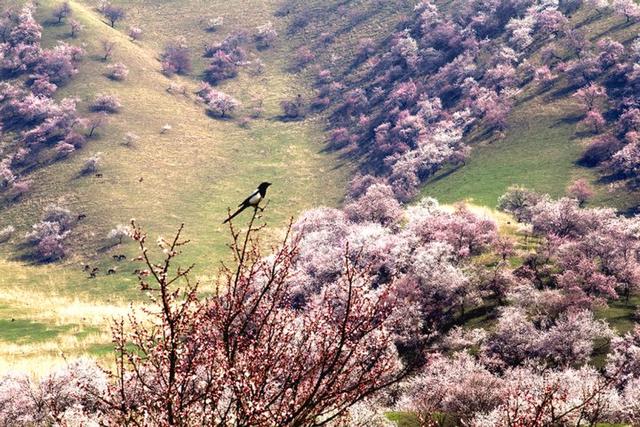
column 107, row 103
column 314, row 364
column 117, row 71
column 47, row 236
column 218, row 103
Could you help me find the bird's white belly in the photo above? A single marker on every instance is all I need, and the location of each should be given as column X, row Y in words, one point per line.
column 255, row 199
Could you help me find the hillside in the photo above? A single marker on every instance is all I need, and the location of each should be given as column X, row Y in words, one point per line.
column 450, row 237
column 536, row 138
column 188, row 175
column 543, row 144
column 539, row 151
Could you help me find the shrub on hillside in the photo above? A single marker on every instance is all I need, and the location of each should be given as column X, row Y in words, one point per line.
column 377, row 204
column 67, row 396
column 627, row 8
column 57, row 214
column 293, row 109
column 19, row 188
column 220, row 104
column 135, row 33
column 7, row 177
column 334, row 353
column 221, row 67
column 94, row 122
column 265, row 35
column 118, row 71
column 91, row 164
column 42, row 86
column 213, row 24
column 119, row 233
column 303, row 57
column 108, row 47
column 6, row 233
column 129, row 139
column 519, row 202
column 76, row 28
column 63, row 149
column 47, row 239
column 580, row 190
column 113, row 13
column 75, row 139
column 106, row 104
column 60, row 63
column 62, row 11
column 176, row 58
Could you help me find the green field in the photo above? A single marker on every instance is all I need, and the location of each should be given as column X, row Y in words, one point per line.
column 539, row 152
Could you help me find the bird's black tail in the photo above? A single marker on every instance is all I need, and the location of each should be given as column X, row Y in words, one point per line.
column 235, row 214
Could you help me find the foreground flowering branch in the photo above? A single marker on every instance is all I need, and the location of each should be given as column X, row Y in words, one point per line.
column 246, row 356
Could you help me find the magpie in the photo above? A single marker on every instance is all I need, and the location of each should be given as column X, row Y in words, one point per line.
column 252, row 201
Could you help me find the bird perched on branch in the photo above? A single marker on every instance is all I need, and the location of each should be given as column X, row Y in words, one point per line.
column 252, row 201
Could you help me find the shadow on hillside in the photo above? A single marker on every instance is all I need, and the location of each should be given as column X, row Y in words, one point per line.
column 88, row 174
column 486, row 311
column 97, row 58
column 631, row 211
column 531, row 96
column 590, row 19
column 218, row 117
column 563, row 92
column 26, row 330
column 52, row 22
column 568, row 120
column 611, row 30
column 610, row 178
column 25, row 254
column 446, row 172
column 582, row 134
column 285, row 119
column 481, row 136
column 350, row 156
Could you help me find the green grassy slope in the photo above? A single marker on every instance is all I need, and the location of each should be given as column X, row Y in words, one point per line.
column 538, row 152
column 190, row 174
column 542, row 143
